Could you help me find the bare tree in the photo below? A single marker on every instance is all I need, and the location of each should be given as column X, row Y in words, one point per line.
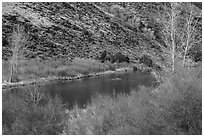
column 18, row 41
column 179, row 29
column 35, row 94
column 191, row 34
column 172, row 32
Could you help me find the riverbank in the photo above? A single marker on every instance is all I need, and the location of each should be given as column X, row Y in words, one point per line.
column 175, row 107
column 7, row 85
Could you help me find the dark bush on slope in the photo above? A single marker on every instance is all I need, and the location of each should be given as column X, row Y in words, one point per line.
column 146, row 60
column 118, row 57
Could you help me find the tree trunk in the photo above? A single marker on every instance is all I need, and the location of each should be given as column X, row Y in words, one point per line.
column 173, row 5
column 13, row 74
column 189, row 29
column 18, row 40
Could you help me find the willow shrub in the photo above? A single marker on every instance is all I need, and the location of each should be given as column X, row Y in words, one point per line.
column 175, row 107
column 31, row 113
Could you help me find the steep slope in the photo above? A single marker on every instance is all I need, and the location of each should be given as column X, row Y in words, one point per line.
column 66, row 29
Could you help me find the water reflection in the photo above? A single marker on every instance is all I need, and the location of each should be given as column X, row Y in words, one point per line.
column 80, row 92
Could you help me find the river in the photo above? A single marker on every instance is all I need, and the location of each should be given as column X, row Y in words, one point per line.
column 80, row 92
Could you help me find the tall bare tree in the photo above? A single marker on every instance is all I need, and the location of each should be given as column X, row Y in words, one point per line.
column 18, row 41
column 180, row 30
column 191, row 34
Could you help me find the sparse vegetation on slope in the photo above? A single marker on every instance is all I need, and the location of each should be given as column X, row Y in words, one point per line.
column 72, row 33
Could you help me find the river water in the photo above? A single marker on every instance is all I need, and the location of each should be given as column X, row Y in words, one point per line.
column 80, row 92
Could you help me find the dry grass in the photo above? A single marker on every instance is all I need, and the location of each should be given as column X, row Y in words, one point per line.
column 32, row 69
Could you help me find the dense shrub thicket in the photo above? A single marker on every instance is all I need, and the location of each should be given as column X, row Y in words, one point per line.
column 118, row 57
column 31, row 112
column 146, row 60
column 175, row 107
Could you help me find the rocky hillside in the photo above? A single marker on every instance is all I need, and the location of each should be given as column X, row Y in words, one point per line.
column 68, row 30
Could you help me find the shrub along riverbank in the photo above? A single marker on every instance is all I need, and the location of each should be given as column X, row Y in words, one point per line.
column 175, row 107
column 33, row 72
column 33, row 69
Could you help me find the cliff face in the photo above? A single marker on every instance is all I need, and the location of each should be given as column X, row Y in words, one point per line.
column 68, row 30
